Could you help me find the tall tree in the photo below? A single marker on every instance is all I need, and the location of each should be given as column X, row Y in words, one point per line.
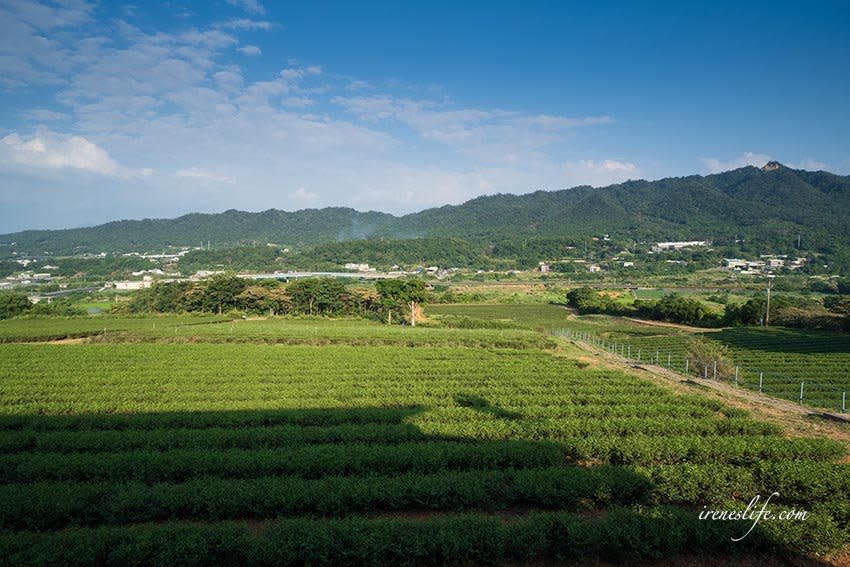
column 398, row 295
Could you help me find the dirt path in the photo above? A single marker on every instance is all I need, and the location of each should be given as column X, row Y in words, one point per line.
column 687, row 328
column 69, row 341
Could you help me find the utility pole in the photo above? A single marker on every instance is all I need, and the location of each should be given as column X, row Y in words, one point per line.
column 767, row 311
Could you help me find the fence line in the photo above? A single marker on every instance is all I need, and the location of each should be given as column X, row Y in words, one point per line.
column 624, row 350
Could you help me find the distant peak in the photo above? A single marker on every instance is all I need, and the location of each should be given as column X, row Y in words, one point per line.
column 772, row 166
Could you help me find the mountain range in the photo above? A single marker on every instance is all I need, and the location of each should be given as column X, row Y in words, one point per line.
column 770, row 204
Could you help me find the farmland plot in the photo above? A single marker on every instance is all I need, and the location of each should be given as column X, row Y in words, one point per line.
column 199, row 453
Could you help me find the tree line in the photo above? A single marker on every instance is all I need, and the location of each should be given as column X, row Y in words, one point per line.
column 832, row 313
column 395, row 300
column 15, row 304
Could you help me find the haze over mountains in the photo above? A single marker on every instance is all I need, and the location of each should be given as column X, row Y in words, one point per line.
column 771, row 204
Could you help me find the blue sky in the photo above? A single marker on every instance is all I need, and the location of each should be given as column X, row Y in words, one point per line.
column 111, row 110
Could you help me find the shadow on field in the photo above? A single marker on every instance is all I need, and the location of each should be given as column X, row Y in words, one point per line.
column 319, row 487
column 482, row 405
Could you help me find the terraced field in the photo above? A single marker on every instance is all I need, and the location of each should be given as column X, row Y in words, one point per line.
column 55, row 328
column 541, row 317
column 777, row 358
column 153, row 452
column 183, row 329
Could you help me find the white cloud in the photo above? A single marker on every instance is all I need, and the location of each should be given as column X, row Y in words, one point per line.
column 357, row 85
column 250, row 6
column 48, row 149
column 245, row 24
column 810, row 164
column 48, row 17
column 44, row 115
column 297, row 101
column 302, row 196
column 31, row 52
column 201, row 174
column 561, row 122
column 610, row 165
column 714, row 165
column 178, row 103
column 600, row 173
column 483, row 134
column 229, row 79
column 250, row 50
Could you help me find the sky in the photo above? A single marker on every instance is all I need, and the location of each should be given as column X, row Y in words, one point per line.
column 112, row 110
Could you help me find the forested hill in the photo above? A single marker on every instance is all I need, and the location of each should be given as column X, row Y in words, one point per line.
column 771, row 204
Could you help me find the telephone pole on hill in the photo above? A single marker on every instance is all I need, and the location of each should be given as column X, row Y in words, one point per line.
column 767, row 311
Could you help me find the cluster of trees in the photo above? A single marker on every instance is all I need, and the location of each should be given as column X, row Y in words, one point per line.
column 833, row 313
column 384, row 253
column 677, row 309
column 258, row 258
column 16, row 304
column 391, row 300
column 673, row 307
column 587, row 301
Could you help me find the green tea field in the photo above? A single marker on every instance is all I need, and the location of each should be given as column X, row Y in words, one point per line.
column 778, row 358
column 284, row 442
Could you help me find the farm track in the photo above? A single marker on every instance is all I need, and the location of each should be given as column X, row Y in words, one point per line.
column 667, row 325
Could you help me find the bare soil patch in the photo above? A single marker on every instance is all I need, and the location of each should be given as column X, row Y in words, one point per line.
column 68, row 341
column 687, row 328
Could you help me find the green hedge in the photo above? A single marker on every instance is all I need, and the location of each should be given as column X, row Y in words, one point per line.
column 461, row 540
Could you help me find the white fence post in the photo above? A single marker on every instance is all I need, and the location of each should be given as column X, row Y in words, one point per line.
column 761, row 379
column 801, row 392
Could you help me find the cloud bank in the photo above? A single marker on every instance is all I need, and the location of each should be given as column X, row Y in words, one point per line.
column 177, row 117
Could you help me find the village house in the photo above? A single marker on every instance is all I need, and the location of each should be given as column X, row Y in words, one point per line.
column 678, row 245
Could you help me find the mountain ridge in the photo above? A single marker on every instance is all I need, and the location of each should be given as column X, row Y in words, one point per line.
column 750, row 201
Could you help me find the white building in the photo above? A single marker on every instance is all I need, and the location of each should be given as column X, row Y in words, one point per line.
column 594, row 268
column 201, row 274
column 132, row 285
column 358, row 267
column 678, row 245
